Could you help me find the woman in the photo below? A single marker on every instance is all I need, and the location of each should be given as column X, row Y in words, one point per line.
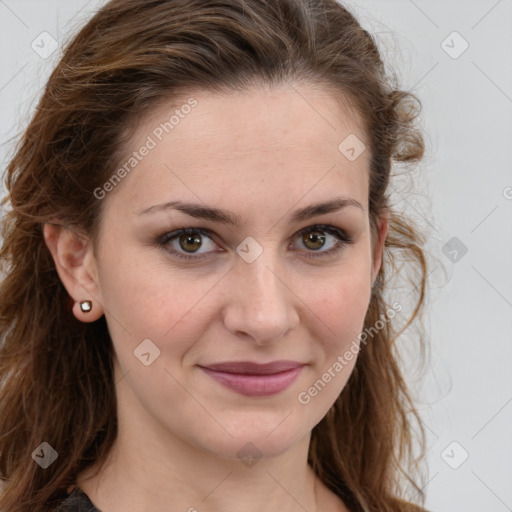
column 193, row 311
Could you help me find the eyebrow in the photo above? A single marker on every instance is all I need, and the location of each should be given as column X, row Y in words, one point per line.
column 225, row 217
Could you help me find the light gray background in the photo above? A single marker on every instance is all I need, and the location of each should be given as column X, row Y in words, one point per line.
column 463, row 189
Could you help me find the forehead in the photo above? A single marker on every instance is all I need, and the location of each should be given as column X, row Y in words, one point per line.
column 259, row 117
column 283, row 137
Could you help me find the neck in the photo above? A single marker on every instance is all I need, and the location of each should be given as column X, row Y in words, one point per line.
column 130, row 481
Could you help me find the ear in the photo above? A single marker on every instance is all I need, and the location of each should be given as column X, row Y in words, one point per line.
column 76, row 265
column 382, row 232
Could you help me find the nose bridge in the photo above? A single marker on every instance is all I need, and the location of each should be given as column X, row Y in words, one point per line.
column 265, row 286
column 262, row 308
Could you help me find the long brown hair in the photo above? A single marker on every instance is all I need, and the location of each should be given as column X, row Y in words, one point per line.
column 56, row 373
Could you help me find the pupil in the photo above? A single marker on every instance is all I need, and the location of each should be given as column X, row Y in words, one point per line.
column 190, row 239
column 312, row 237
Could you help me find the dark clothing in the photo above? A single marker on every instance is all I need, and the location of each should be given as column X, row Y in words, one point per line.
column 77, row 501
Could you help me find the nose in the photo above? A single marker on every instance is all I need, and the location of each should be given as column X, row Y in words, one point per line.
column 262, row 305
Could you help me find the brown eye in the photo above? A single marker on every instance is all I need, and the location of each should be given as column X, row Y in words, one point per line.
column 185, row 243
column 190, row 243
column 315, row 238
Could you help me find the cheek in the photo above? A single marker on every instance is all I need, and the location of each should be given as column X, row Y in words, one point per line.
column 341, row 305
column 342, row 302
column 147, row 299
column 174, row 308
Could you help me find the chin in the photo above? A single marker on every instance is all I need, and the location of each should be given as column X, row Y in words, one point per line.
column 256, row 439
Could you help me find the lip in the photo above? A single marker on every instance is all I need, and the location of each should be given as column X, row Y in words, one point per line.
column 255, row 379
column 253, row 368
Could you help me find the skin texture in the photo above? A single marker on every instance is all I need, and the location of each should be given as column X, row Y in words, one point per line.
column 262, row 155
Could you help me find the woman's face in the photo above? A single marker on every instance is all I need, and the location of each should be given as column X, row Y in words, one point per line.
column 274, row 286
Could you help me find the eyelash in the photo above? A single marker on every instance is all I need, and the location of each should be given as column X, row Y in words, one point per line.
column 343, row 240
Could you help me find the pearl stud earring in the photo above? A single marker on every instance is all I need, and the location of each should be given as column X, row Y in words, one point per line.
column 86, row 306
